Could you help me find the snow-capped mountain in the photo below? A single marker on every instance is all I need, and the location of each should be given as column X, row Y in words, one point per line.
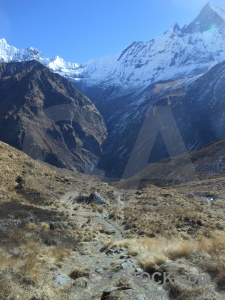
column 178, row 53
column 10, row 53
column 163, row 70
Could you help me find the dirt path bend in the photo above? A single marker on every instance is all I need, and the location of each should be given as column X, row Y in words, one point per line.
column 118, row 233
column 96, row 217
column 106, row 267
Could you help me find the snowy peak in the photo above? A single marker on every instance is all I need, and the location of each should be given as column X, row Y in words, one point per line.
column 10, row 53
column 27, row 54
column 6, row 51
column 207, row 19
column 176, row 28
column 178, row 53
column 220, row 12
column 57, row 64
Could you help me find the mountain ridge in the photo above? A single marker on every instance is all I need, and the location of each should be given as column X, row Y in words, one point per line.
column 177, row 51
column 125, row 86
column 43, row 114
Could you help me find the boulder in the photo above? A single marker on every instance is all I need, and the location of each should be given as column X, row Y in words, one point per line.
column 97, row 198
column 94, row 197
column 82, row 198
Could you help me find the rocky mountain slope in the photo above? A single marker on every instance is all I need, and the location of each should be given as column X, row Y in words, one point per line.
column 43, row 114
column 167, row 70
column 169, row 119
column 206, row 163
column 94, row 251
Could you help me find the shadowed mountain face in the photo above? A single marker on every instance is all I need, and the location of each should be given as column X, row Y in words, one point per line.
column 205, row 163
column 206, row 20
column 194, row 117
column 180, row 69
column 44, row 115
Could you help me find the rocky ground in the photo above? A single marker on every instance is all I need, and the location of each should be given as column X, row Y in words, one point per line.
column 53, row 247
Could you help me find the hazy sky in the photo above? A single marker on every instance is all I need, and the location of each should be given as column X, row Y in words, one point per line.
column 80, row 30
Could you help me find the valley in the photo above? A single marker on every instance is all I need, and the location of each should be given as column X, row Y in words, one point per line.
column 151, row 229
column 166, row 71
column 112, row 172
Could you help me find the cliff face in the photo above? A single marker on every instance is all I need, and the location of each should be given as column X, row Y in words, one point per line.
column 169, row 70
column 193, row 117
column 44, row 115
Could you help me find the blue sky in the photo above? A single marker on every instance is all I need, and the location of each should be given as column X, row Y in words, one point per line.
column 80, row 30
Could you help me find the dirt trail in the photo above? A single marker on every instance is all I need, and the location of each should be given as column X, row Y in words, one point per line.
column 106, row 267
column 118, row 233
column 100, row 219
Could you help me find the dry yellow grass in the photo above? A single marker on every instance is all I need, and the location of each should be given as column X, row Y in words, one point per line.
column 27, row 278
column 164, row 228
column 31, row 253
column 152, row 254
column 76, row 273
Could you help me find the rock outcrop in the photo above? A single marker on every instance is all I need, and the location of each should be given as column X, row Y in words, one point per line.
column 44, row 115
